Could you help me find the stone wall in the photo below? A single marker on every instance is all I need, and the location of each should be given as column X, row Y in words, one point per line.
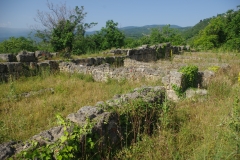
column 95, row 61
column 131, row 59
column 177, row 78
column 104, row 72
column 8, row 57
column 16, row 69
column 106, row 124
column 25, row 56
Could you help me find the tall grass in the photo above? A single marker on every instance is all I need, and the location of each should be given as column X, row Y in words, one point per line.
column 200, row 127
column 197, row 128
column 22, row 117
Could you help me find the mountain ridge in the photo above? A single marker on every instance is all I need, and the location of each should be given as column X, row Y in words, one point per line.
column 130, row 31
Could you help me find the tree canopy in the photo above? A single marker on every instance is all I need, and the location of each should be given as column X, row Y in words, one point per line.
column 222, row 31
column 62, row 25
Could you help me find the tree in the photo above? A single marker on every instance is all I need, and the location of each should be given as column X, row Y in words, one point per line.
column 112, row 37
column 15, row 45
column 61, row 25
column 222, row 31
column 156, row 36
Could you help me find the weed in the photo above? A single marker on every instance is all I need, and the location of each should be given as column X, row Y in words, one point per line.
column 178, row 90
column 190, row 74
column 235, row 124
column 214, row 68
column 67, row 147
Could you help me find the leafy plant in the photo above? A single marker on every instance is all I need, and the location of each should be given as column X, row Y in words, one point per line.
column 190, row 74
column 67, row 147
column 178, row 90
column 15, row 45
column 62, row 25
column 214, row 68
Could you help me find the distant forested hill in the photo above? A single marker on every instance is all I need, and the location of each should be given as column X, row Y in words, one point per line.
column 129, row 31
column 136, row 32
column 192, row 31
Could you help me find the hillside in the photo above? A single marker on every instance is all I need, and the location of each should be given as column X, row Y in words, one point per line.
column 130, row 31
column 136, row 32
column 192, row 31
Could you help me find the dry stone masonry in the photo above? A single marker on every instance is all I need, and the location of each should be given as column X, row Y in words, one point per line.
column 132, row 65
column 106, row 125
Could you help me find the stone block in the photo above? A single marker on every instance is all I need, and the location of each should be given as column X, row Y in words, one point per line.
column 206, row 76
column 8, row 58
column 3, row 68
column 42, row 55
column 7, row 149
column 14, row 67
column 43, row 65
column 194, row 92
column 26, row 57
column 171, row 94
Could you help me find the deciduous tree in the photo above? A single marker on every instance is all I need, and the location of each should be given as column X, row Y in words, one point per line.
column 61, row 25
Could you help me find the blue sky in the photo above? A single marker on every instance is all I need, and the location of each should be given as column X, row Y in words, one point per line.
column 21, row 13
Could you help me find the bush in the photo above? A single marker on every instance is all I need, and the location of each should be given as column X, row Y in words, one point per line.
column 191, row 74
column 15, row 45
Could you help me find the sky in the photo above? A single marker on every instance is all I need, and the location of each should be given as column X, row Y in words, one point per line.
column 21, row 13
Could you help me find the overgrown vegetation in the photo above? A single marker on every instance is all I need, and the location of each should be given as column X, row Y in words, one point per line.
column 197, row 128
column 191, row 129
column 190, row 77
column 21, row 118
column 15, row 45
column 221, row 32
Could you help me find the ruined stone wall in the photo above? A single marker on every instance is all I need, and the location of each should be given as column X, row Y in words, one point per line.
column 14, row 70
column 104, row 72
column 106, row 124
column 134, row 61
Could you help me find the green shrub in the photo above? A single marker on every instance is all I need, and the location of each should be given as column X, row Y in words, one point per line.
column 15, row 45
column 190, row 75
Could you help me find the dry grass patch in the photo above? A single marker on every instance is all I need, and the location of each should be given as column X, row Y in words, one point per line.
column 200, row 127
column 21, row 118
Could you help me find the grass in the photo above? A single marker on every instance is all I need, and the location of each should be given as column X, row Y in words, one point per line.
column 197, row 128
column 21, row 118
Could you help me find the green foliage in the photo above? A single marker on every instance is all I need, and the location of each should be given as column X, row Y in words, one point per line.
column 139, row 118
column 108, row 37
column 15, row 45
column 131, row 43
column 222, row 31
column 193, row 31
column 156, row 36
column 214, row 68
column 190, row 74
column 62, row 29
column 62, row 36
column 67, row 147
column 212, row 36
column 178, row 90
column 111, row 36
